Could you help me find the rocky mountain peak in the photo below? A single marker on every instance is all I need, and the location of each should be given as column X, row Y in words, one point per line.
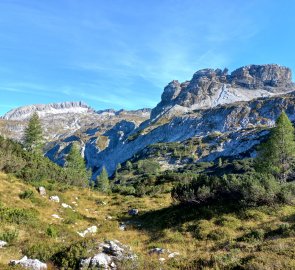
column 255, row 76
column 25, row 112
column 211, row 87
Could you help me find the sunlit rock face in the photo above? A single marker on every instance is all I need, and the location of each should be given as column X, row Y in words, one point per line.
column 239, row 107
column 209, row 88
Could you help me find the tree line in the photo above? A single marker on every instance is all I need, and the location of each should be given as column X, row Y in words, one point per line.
column 270, row 183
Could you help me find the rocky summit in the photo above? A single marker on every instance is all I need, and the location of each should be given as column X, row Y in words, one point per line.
column 209, row 88
column 227, row 114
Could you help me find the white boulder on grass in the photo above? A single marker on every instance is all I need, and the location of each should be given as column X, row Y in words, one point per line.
column 64, row 205
column 42, row 191
column 54, row 198
column 91, row 230
column 3, row 244
column 31, row 264
column 110, row 253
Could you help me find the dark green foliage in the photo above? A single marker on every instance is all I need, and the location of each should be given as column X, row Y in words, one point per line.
column 70, row 257
column 124, row 190
column 51, row 231
column 103, row 182
column 29, row 166
column 33, row 138
column 129, row 165
column 9, row 236
column 246, row 189
column 27, row 194
column 75, row 168
column 277, row 154
column 43, row 251
column 254, row 235
column 148, row 166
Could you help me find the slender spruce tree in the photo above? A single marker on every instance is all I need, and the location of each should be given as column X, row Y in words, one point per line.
column 277, row 154
column 103, row 182
column 75, row 167
column 33, row 136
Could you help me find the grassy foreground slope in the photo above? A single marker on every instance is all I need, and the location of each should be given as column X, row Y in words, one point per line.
column 206, row 238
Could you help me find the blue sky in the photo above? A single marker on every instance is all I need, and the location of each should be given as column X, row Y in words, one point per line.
column 121, row 53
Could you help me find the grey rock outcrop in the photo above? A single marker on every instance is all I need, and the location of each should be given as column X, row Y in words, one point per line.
column 111, row 252
column 31, row 264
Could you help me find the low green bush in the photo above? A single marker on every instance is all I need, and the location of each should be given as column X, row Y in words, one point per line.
column 18, row 215
column 27, row 194
column 251, row 189
column 9, row 236
column 70, row 257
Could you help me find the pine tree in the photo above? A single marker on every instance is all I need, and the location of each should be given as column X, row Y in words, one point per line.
column 33, row 137
column 220, row 162
column 103, row 182
column 129, row 165
column 277, row 154
column 76, row 169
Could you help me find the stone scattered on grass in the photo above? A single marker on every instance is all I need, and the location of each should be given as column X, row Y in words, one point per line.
column 64, row 205
column 157, row 251
column 173, row 254
column 92, row 229
column 3, row 244
column 42, row 191
column 54, row 198
column 110, row 253
column 133, row 212
column 122, row 226
column 31, row 264
column 164, row 252
column 56, row 216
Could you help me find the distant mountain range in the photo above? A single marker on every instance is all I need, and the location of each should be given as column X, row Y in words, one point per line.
column 216, row 113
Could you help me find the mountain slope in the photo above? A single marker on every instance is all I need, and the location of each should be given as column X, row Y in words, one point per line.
column 220, row 114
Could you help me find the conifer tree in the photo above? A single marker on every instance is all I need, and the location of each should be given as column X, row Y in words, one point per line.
column 277, row 154
column 76, row 169
column 129, row 165
column 33, row 137
column 103, row 182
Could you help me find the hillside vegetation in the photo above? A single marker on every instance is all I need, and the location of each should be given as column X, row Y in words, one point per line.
column 222, row 215
column 221, row 237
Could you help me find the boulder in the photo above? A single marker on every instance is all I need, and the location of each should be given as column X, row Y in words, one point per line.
column 3, row 244
column 111, row 252
column 64, row 205
column 31, row 264
column 133, row 212
column 98, row 261
column 54, row 198
column 92, row 229
column 42, row 191
column 173, row 254
column 157, row 251
column 122, row 226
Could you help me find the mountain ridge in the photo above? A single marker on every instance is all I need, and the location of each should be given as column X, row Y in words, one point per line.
column 240, row 106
